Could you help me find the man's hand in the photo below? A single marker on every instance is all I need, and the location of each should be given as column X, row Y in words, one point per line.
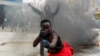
column 46, row 43
column 42, row 34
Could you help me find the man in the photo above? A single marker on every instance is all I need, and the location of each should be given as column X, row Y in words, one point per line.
column 51, row 40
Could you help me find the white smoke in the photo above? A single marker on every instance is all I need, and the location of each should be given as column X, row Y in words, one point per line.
column 73, row 22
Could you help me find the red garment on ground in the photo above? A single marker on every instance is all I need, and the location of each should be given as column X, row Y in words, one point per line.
column 65, row 51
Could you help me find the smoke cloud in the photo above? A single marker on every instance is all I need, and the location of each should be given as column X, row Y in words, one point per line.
column 74, row 22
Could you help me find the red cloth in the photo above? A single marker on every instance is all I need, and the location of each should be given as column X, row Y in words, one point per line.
column 65, row 51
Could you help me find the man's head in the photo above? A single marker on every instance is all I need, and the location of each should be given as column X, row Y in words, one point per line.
column 46, row 25
column 47, row 9
column 45, row 21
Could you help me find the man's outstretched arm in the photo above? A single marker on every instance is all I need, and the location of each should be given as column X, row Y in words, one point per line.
column 56, row 10
column 36, row 41
column 54, row 40
column 35, row 10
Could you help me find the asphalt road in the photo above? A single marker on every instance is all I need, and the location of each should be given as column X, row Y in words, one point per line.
column 20, row 44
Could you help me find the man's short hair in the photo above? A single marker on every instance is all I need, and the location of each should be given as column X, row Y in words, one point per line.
column 44, row 21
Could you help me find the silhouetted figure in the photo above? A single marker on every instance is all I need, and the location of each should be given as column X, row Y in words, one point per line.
column 2, row 16
column 47, row 14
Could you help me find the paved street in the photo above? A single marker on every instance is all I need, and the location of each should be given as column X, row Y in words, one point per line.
column 95, row 51
column 20, row 44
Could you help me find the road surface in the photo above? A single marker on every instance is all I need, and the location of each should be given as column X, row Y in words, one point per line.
column 20, row 44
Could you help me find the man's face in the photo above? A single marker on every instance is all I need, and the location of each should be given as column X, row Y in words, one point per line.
column 46, row 27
